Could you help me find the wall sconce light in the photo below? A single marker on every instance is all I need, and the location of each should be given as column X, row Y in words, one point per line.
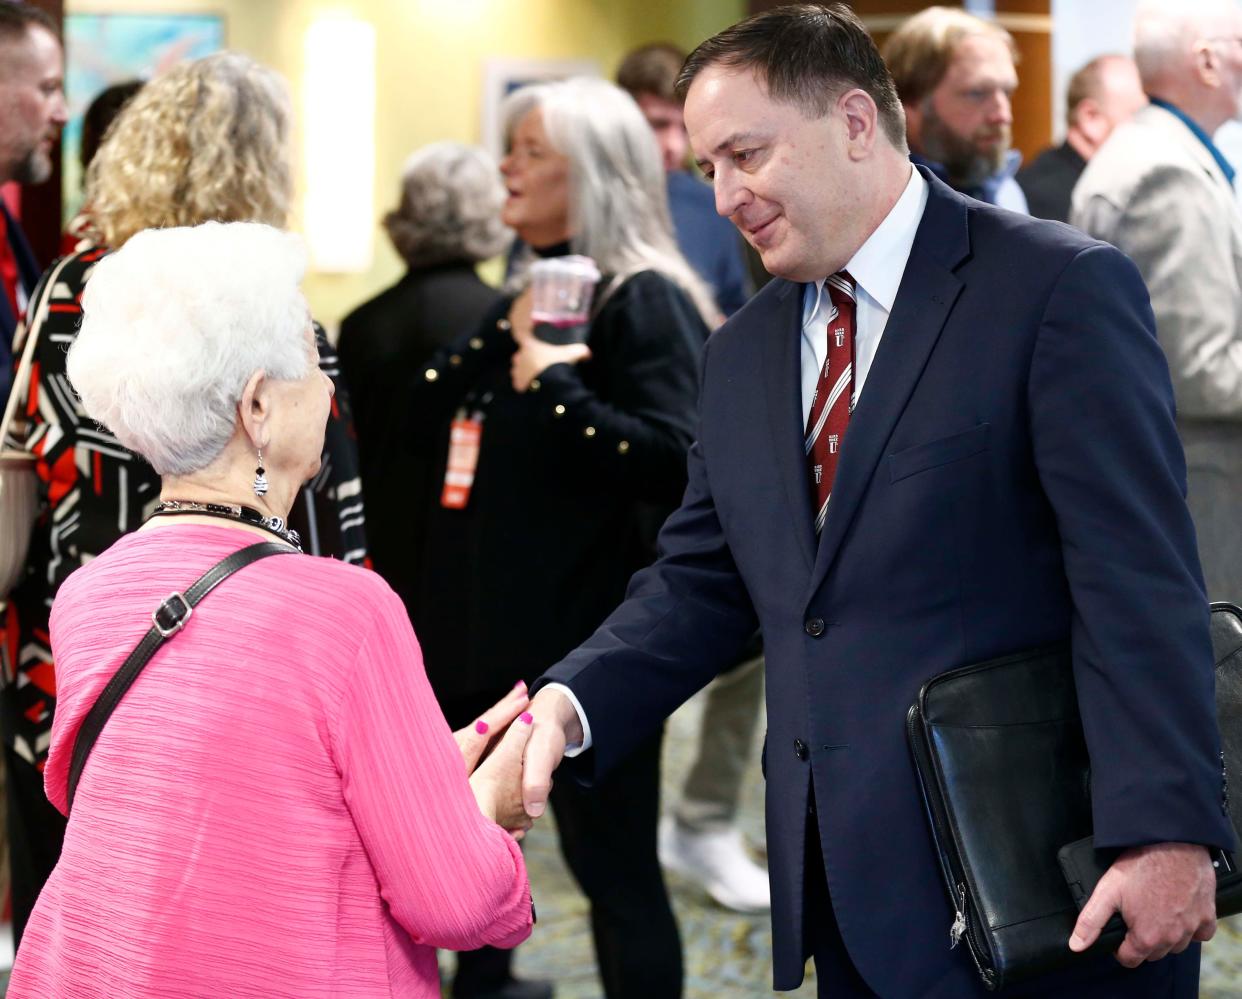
column 338, row 123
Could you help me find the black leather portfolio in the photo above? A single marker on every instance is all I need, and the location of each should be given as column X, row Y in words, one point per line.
column 1005, row 774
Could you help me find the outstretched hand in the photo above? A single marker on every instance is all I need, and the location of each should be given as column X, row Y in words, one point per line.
column 556, row 725
column 1166, row 893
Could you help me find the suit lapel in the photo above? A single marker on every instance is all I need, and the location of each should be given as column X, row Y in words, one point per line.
column 782, row 379
column 924, row 301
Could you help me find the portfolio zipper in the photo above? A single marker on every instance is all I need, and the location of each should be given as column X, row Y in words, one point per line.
column 961, row 925
column 957, row 889
column 959, row 919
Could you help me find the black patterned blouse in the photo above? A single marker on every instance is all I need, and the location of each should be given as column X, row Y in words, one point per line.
column 97, row 491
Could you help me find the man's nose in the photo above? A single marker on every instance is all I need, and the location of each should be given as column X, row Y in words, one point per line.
column 731, row 193
column 60, row 110
column 1001, row 110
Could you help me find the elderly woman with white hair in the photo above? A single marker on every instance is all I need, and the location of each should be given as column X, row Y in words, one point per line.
column 447, row 220
column 581, row 453
column 207, row 139
column 276, row 806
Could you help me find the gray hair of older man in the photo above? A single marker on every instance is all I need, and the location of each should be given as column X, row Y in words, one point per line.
column 175, row 323
column 618, row 201
column 1165, row 30
column 451, row 197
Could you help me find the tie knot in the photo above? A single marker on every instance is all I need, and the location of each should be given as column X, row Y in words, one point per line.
column 840, row 287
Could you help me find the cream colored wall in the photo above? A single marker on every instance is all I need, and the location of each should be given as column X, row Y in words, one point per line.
column 429, row 68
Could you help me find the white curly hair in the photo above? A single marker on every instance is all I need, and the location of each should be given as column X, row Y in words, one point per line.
column 175, row 323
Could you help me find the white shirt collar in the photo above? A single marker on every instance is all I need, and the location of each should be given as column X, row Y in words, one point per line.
column 878, row 265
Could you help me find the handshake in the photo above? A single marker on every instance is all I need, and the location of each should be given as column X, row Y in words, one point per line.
column 511, row 750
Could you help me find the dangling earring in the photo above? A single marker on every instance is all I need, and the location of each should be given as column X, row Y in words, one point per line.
column 260, row 476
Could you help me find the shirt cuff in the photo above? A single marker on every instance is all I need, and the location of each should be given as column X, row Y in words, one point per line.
column 576, row 748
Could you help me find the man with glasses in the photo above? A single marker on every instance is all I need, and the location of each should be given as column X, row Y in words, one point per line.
column 1160, row 190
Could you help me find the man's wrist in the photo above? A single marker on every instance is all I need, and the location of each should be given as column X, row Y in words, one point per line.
column 568, row 714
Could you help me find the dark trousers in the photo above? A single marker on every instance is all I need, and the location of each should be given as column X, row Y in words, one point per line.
column 608, row 839
column 1175, row 977
column 36, row 832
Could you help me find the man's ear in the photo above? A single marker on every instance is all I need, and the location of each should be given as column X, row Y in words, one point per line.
column 862, row 119
column 254, row 410
column 1207, row 64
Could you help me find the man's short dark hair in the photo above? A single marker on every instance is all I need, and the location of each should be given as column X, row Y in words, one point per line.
column 808, row 55
column 652, row 69
column 17, row 18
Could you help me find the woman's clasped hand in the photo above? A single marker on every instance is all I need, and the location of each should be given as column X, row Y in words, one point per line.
column 492, row 748
column 533, row 356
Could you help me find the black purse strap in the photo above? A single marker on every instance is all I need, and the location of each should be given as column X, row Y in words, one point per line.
column 166, row 620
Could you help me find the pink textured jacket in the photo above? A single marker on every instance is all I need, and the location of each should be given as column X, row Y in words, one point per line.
column 276, row 808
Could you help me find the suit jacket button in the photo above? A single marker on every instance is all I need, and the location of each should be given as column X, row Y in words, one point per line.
column 814, row 626
column 800, row 749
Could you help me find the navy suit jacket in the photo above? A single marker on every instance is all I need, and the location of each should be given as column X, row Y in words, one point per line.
column 1011, row 476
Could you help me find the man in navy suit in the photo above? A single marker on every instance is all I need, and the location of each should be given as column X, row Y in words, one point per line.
column 947, row 434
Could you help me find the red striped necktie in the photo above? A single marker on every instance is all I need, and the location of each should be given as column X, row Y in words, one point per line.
column 834, row 393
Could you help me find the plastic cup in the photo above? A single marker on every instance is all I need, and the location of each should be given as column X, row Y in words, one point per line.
column 561, row 293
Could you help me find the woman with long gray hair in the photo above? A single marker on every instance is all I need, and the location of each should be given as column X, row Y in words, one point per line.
column 581, row 452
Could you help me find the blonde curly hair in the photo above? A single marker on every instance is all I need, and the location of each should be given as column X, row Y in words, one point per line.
column 207, row 140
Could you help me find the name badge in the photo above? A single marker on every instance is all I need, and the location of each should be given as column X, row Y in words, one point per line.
column 465, row 436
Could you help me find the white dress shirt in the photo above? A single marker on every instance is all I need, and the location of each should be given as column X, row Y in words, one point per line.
column 876, row 268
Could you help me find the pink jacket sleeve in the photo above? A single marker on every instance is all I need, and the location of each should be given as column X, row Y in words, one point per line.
column 451, row 877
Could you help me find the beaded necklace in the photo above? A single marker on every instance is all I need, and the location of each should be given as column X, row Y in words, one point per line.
column 229, row 511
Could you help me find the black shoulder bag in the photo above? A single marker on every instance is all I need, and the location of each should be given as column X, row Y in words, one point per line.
column 166, row 620
column 1003, row 764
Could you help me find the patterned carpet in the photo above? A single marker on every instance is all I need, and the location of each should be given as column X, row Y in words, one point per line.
column 727, row 955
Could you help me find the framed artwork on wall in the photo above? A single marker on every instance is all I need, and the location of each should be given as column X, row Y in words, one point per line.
column 103, row 49
column 503, row 76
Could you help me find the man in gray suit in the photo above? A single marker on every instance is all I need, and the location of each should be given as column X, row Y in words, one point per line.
column 1161, row 191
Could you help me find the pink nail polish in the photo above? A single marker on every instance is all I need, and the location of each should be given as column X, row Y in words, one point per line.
column 527, row 717
column 481, row 727
column 520, row 685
